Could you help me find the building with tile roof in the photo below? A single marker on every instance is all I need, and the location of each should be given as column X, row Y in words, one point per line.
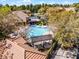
column 18, row 49
column 2, row 49
column 22, row 16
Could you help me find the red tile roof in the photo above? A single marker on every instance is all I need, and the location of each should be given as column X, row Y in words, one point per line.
column 30, row 52
column 2, row 49
column 20, row 40
column 32, row 55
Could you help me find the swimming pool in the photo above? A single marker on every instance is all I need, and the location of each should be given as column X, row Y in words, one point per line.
column 36, row 30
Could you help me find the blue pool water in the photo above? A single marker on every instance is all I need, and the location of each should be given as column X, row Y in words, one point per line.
column 36, row 30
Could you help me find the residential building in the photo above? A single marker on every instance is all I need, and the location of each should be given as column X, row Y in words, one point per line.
column 18, row 48
column 33, row 20
column 28, row 12
column 22, row 17
column 2, row 49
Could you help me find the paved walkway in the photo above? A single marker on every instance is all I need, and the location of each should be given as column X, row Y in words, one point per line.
column 64, row 54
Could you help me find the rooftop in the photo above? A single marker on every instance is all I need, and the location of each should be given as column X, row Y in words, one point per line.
column 21, row 15
column 2, row 49
column 31, row 52
column 34, row 18
column 42, row 38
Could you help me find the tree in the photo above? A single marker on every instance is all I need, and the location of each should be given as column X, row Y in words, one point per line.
column 22, row 7
column 1, row 5
column 7, row 5
column 43, row 10
column 6, row 22
column 13, row 8
column 66, row 22
column 75, row 5
column 67, row 35
column 4, row 10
